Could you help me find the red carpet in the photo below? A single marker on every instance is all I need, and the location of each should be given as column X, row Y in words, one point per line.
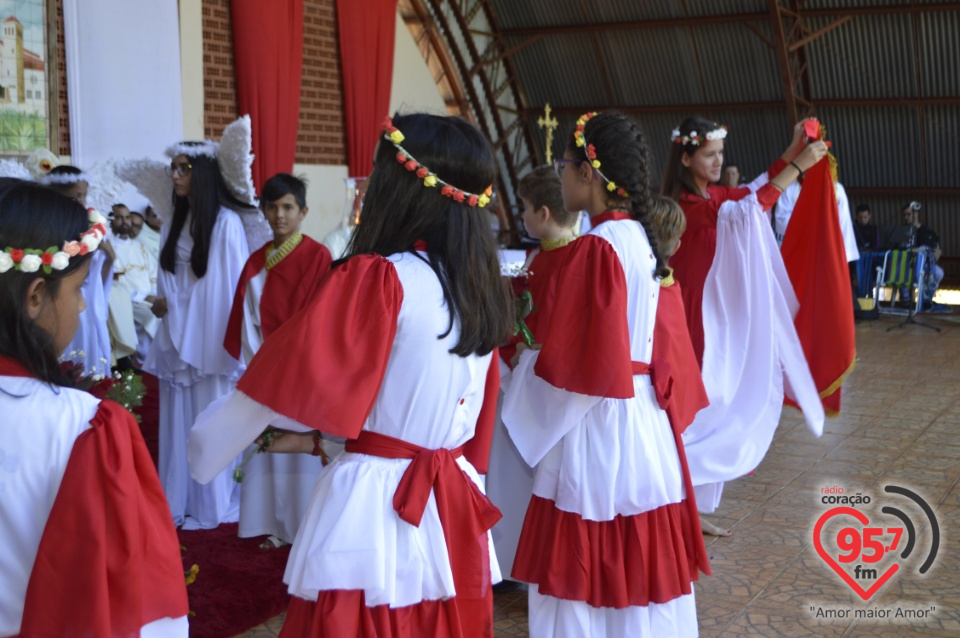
column 239, row 585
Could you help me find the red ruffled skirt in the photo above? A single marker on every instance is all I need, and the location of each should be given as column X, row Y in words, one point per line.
column 344, row 614
column 652, row 557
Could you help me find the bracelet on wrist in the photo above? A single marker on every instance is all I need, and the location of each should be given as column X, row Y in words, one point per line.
column 799, row 170
column 318, row 448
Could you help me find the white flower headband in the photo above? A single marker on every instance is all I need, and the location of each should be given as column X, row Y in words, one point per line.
column 32, row 259
column 206, row 147
column 64, row 178
column 695, row 139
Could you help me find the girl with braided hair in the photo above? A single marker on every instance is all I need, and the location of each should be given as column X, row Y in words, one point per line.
column 587, row 406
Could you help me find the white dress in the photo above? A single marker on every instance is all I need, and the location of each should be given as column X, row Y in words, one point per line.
column 33, row 461
column 91, row 344
column 407, row 386
column 602, row 461
column 188, row 358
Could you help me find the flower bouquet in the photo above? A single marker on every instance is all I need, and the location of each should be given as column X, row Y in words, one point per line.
column 522, row 300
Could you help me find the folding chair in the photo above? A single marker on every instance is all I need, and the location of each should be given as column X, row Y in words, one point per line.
column 903, row 270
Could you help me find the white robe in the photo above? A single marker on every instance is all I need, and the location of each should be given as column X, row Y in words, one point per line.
column 151, row 239
column 32, row 464
column 194, row 369
column 132, row 324
column 788, row 201
column 276, row 487
column 91, row 344
column 752, row 356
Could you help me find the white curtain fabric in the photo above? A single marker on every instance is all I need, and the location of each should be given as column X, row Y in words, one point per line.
column 123, row 78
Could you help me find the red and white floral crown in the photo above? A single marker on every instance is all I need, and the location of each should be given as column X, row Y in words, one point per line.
column 592, row 154
column 33, row 259
column 430, row 179
column 695, row 138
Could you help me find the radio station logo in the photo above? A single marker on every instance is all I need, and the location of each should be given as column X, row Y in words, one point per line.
column 866, row 553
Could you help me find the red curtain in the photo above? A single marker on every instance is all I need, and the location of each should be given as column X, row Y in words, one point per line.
column 268, row 56
column 366, row 32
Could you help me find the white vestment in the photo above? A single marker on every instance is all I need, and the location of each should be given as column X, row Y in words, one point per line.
column 132, row 324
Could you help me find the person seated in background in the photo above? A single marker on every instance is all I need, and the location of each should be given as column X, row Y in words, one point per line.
column 136, row 223
column 867, row 234
column 925, row 239
column 131, row 323
column 150, row 233
column 730, row 176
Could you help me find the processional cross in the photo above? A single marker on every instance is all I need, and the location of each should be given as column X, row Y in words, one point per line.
column 548, row 123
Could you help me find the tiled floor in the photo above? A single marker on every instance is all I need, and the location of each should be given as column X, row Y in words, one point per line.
column 900, row 426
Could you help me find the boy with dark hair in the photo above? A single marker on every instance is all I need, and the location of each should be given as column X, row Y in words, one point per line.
column 278, row 280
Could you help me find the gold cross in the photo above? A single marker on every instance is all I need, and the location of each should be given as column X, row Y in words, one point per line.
column 548, row 123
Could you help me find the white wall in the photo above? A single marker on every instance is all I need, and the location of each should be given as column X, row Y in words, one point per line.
column 413, row 88
column 326, row 196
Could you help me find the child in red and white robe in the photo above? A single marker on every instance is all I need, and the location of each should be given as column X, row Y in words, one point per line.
column 277, row 281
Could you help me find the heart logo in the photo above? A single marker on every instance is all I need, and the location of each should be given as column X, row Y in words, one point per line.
column 829, row 560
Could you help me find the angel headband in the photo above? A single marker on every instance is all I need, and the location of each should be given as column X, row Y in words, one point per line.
column 64, row 178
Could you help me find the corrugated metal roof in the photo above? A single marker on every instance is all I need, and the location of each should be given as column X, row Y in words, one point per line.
column 872, row 80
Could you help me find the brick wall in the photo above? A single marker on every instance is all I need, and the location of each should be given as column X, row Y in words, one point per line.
column 61, row 146
column 321, row 137
column 219, row 89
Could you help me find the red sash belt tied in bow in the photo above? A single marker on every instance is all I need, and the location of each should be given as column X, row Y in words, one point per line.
column 465, row 512
column 660, row 377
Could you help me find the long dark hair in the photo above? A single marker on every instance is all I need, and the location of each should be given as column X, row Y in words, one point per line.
column 676, row 176
column 399, row 210
column 32, row 216
column 208, row 192
column 622, row 150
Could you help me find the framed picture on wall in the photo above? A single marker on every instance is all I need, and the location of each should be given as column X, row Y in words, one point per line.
column 29, row 113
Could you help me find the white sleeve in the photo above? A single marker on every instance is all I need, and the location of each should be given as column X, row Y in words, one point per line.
column 223, row 431
column 536, row 414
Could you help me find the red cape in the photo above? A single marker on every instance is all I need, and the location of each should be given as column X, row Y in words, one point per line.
column 109, row 559
column 814, row 255
column 586, row 342
column 290, row 286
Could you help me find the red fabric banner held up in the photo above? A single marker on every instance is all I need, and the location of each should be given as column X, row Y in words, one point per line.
column 366, row 59
column 268, row 56
column 816, row 261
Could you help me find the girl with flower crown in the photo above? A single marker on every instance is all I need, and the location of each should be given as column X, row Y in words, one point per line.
column 611, row 544
column 739, row 305
column 91, row 346
column 395, row 354
column 693, row 169
column 88, row 546
column 204, row 249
